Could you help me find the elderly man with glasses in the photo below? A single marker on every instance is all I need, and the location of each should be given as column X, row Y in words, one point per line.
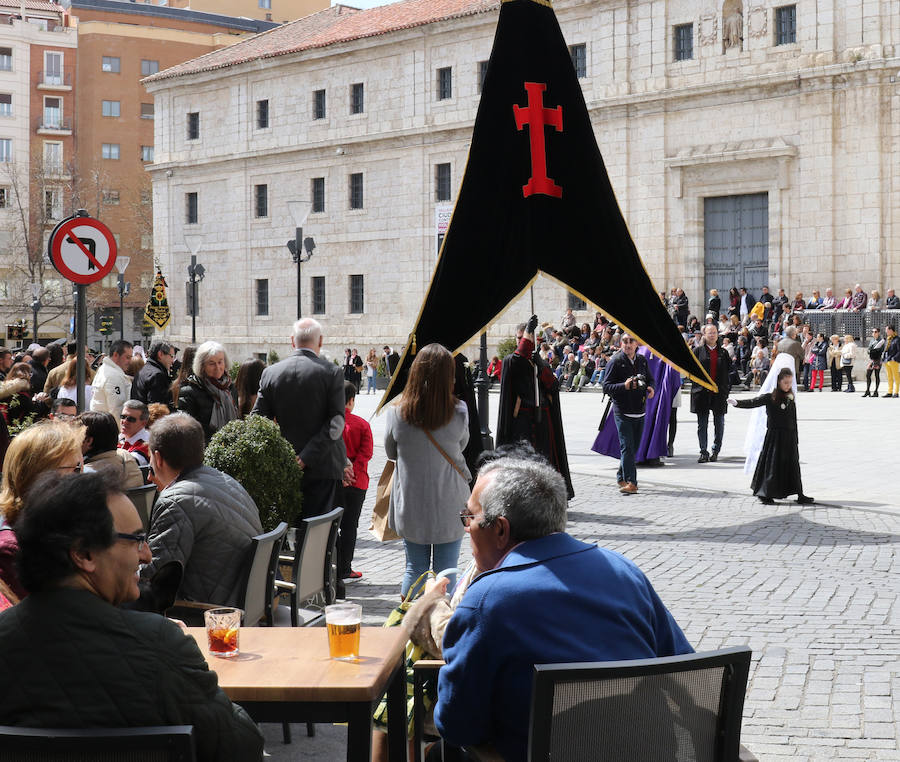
column 540, row 597
column 70, row 657
column 627, row 381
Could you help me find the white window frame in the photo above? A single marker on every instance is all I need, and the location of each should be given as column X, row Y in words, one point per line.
column 56, row 78
column 46, row 121
column 53, row 164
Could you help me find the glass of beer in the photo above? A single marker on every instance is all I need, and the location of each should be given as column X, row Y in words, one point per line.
column 223, row 628
column 343, row 621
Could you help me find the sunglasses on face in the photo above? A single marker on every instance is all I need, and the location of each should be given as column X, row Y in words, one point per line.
column 129, row 418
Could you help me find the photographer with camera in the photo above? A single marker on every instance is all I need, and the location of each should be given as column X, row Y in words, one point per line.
column 625, row 381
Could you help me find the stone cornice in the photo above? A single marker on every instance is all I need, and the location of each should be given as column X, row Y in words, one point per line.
column 395, row 139
column 817, row 75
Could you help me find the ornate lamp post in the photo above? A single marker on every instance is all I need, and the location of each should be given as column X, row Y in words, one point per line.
column 196, row 273
column 299, row 212
column 124, row 289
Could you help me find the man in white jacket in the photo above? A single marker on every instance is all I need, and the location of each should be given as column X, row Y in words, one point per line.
column 112, row 388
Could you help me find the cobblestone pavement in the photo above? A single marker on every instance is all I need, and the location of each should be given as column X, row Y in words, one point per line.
column 811, row 589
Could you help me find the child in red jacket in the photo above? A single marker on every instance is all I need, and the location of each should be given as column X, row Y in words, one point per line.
column 358, row 441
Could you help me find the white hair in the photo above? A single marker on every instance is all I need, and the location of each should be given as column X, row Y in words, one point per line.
column 529, row 492
column 307, row 333
column 206, row 350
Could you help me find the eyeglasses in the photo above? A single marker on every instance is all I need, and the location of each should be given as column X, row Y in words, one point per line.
column 466, row 516
column 76, row 469
column 129, row 418
column 140, row 539
column 628, row 341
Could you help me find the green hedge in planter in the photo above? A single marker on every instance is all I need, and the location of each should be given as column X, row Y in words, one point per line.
column 507, row 347
column 254, row 452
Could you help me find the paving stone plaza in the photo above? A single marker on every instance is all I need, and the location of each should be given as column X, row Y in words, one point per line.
column 811, row 589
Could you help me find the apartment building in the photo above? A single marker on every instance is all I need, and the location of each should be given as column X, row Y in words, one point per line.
column 119, row 43
column 37, row 108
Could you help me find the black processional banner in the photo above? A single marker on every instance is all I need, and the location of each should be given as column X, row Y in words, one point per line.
column 536, row 200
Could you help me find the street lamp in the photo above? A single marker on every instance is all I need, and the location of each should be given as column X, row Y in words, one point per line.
column 196, row 272
column 482, row 384
column 124, row 290
column 300, row 211
column 35, row 308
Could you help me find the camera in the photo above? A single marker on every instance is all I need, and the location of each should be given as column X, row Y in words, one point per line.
column 639, row 381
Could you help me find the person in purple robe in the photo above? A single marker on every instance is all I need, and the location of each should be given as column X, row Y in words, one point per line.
column 654, row 440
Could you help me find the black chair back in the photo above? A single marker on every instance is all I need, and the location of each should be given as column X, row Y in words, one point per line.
column 156, row 744
column 259, row 585
column 654, row 710
column 312, row 564
column 143, row 498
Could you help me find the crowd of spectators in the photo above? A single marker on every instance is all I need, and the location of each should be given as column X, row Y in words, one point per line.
column 750, row 329
column 754, row 329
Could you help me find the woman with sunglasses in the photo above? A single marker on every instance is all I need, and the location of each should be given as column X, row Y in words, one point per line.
column 46, row 446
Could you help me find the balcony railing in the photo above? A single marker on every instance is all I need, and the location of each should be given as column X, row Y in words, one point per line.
column 51, row 123
column 54, row 79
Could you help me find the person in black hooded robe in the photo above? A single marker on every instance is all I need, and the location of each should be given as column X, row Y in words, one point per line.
column 464, row 389
column 529, row 405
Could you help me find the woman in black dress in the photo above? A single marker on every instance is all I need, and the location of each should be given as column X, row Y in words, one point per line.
column 777, row 473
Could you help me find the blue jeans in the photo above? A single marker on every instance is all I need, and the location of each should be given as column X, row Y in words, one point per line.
column 718, row 430
column 370, row 380
column 598, row 376
column 421, row 558
column 630, row 430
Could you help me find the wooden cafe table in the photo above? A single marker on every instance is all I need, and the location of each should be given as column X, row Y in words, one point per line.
column 284, row 674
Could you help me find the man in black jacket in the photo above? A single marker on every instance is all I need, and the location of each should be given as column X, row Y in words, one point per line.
column 152, row 382
column 717, row 363
column 305, row 394
column 626, row 380
column 71, row 658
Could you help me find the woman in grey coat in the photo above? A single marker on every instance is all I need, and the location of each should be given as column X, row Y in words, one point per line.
column 426, row 433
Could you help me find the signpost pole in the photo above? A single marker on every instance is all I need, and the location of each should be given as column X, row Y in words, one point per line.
column 81, row 341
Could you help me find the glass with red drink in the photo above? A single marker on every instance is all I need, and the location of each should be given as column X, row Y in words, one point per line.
column 223, row 629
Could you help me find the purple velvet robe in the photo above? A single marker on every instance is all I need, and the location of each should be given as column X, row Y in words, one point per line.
column 654, row 441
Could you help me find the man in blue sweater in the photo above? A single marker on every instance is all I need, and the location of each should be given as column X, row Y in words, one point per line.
column 542, row 597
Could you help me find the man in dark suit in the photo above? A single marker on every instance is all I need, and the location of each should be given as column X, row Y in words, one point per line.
column 717, row 364
column 305, row 394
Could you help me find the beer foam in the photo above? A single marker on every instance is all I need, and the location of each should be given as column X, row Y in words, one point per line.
column 344, row 619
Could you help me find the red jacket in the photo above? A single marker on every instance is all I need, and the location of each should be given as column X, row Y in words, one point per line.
column 358, row 441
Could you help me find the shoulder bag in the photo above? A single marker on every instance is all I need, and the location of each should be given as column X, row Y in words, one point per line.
column 379, row 526
column 446, row 457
